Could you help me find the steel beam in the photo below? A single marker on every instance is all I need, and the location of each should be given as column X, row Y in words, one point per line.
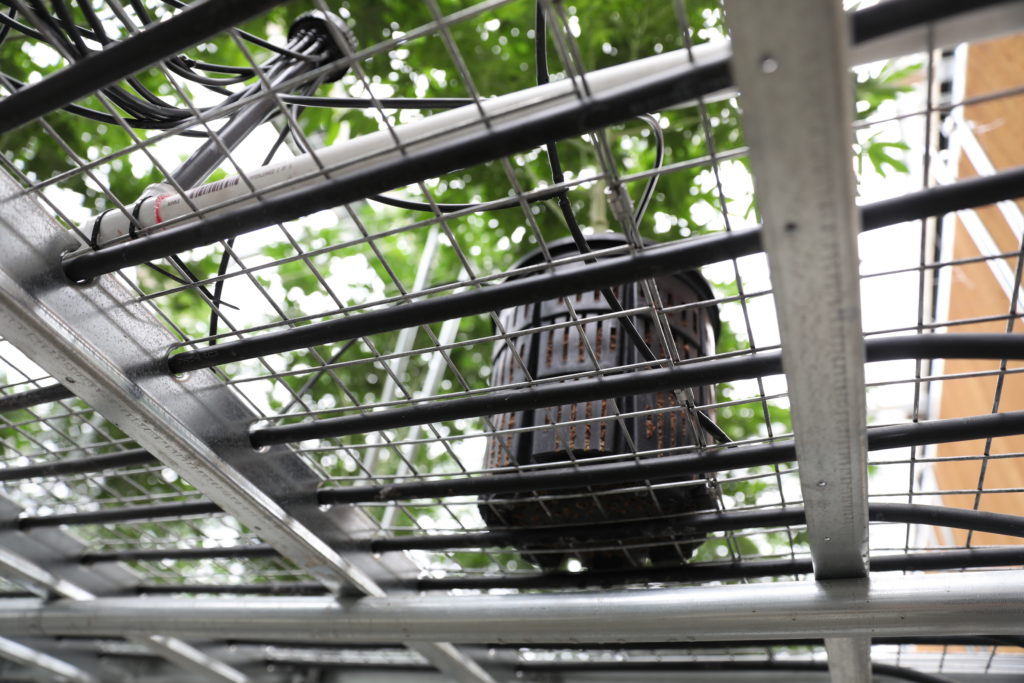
column 791, row 65
column 99, row 340
column 922, row 604
column 45, row 563
column 52, row 666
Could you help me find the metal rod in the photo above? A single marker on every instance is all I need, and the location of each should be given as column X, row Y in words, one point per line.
column 928, row 604
column 722, row 571
column 657, row 90
column 896, row 15
column 125, row 57
column 937, row 560
column 684, row 255
column 508, row 647
column 653, row 469
column 34, row 397
column 94, row 463
column 666, row 81
column 138, row 513
column 693, row 374
column 876, row 668
column 681, row 525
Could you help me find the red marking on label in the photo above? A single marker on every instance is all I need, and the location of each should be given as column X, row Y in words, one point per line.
column 156, row 207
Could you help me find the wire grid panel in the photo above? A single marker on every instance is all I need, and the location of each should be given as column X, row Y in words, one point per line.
column 673, row 176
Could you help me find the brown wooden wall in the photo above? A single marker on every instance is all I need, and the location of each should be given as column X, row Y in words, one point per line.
column 999, row 126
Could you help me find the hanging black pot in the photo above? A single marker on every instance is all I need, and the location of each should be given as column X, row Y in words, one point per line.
column 662, row 425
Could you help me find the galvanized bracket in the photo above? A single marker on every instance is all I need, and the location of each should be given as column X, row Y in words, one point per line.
column 791, row 65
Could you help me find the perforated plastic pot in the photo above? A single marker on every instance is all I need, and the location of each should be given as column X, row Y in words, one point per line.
column 546, row 438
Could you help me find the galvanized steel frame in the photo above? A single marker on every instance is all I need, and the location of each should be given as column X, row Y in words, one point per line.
column 100, row 340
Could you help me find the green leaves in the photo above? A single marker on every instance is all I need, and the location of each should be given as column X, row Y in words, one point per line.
column 880, row 154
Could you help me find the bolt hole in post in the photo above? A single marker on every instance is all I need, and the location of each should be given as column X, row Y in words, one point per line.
column 769, row 64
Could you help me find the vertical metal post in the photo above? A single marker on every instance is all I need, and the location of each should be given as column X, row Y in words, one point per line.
column 792, row 68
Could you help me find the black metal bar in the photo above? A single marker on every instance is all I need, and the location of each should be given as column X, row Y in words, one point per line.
column 653, row 469
column 278, row 588
column 650, row 263
column 679, row 526
column 696, row 573
column 505, row 646
column 694, row 374
column 937, row 201
column 95, row 463
column 34, row 397
column 672, row 466
column 160, row 554
column 138, row 513
column 877, row 669
column 896, row 15
column 123, row 58
column 688, row 254
column 499, row 139
column 726, row 571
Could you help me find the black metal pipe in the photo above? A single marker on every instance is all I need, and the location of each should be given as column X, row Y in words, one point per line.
column 695, row 573
column 95, row 463
column 651, row 469
column 877, row 669
column 681, row 526
column 897, row 15
column 684, row 255
column 123, row 58
column 1008, row 641
column 136, row 513
column 499, row 139
column 34, row 397
column 650, row 263
column 694, row 374
column 672, row 466
column 276, row 588
column 726, row 571
column 555, row 668
column 505, row 646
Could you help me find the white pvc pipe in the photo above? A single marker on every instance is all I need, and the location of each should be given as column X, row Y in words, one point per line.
column 165, row 205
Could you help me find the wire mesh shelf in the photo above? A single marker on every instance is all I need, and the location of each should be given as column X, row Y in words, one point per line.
column 347, row 303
